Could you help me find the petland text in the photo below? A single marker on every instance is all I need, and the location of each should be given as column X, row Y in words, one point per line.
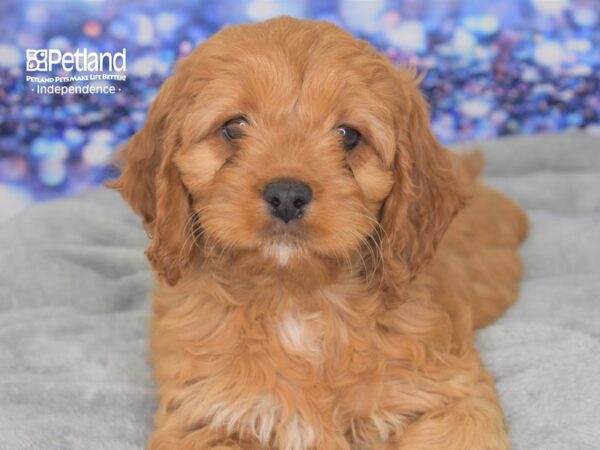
column 46, row 60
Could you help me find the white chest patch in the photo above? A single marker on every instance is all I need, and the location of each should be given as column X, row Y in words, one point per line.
column 300, row 334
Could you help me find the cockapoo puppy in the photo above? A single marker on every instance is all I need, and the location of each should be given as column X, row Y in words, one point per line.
column 315, row 287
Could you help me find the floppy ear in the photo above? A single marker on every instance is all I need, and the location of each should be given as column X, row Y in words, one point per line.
column 151, row 185
column 426, row 195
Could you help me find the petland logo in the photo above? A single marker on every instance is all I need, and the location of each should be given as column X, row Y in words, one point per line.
column 105, row 70
column 46, row 60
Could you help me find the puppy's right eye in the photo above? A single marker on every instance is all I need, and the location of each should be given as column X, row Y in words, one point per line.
column 234, row 129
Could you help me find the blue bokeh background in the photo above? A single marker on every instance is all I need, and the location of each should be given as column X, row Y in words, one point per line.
column 495, row 67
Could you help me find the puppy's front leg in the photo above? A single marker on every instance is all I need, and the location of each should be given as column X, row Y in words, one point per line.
column 471, row 423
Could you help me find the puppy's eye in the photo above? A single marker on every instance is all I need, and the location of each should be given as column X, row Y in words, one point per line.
column 350, row 137
column 234, row 129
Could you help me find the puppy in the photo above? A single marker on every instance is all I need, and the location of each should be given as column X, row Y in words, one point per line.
column 315, row 287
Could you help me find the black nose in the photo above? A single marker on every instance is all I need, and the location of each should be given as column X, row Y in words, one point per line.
column 287, row 198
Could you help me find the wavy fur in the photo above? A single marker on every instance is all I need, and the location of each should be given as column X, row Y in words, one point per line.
column 351, row 328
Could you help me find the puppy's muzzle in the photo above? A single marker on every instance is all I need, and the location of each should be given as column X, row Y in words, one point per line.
column 287, row 198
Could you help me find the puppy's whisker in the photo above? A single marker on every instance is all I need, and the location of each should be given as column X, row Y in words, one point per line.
column 348, row 260
column 189, row 240
column 355, row 236
column 369, row 274
column 365, row 241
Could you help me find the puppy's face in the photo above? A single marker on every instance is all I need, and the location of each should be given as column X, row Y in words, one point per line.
column 285, row 152
column 283, row 140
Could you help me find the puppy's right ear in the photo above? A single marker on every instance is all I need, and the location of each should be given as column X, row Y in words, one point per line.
column 139, row 160
column 151, row 185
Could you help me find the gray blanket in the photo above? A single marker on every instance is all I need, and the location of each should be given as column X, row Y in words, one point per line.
column 74, row 310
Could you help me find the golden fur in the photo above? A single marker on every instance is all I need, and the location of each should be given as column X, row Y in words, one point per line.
column 351, row 328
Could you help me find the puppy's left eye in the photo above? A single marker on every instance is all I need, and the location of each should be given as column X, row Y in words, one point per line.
column 350, row 137
column 234, row 129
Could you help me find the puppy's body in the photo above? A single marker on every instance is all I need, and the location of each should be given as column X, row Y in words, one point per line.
column 350, row 327
column 290, row 360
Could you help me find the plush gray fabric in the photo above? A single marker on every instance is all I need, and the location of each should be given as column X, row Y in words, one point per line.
column 74, row 309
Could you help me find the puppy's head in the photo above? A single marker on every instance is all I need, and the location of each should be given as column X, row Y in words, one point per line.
column 290, row 141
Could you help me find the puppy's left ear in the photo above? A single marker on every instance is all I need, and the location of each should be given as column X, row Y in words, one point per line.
column 427, row 193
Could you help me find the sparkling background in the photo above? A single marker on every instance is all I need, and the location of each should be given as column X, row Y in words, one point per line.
column 495, row 67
